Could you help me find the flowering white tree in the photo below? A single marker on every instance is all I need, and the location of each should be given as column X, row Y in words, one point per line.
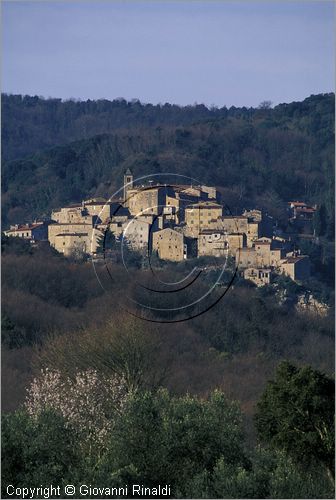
column 88, row 402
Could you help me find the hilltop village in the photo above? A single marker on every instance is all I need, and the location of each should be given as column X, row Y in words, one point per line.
column 176, row 222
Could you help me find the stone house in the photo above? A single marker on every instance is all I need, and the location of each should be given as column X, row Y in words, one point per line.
column 67, row 228
column 83, row 242
column 266, row 252
column 170, row 244
column 300, row 210
column 95, row 209
column 136, row 233
column 37, row 231
column 217, row 243
column 231, row 223
column 99, row 208
column 259, row 277
column 200, row 216
column 73, row 214
column 296, row 267
column 145, row 200
column 251, row 224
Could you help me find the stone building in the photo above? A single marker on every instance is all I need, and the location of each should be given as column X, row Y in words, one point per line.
column 172, row 210
column 211, row 192
column 78, row 242
column 266, row 252
column 269, row 252
column 252, row 223
column 246, row 257
column 67, row 228
column 231, row 223
column 200, row 216
column 96, row 210
column 296, row 267
column 136, row 233
column 37, row 231
column 146, row 200
column 300, row 210
column 259, row 277
column 218, row 243
column 99, row 208
column 169, row 244
column 128, row 183
column 72, row 214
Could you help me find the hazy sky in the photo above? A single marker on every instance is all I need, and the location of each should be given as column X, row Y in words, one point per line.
column 223, row 53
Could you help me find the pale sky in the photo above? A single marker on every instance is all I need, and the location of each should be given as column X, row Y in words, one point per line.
column 222, row 53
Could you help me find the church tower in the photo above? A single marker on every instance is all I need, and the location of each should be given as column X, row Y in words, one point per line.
column 128, row 182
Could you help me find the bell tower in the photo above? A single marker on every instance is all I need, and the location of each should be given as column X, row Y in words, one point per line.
column 128, row 182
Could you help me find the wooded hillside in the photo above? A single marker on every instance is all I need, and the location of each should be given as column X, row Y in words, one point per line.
column 260, row 157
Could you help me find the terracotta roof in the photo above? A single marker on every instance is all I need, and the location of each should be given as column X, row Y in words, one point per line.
column 98, row 203
column 72, row 234
column 297, row 203
column 24, row 227
column 233, row 217
column 306, row 209
column 72, row 224
column 292, row 260
column 205, row 204
column 212, row 231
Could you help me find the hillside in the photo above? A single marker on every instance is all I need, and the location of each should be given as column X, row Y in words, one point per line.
column 259, row 157
column 57, row 317
column 31, row 123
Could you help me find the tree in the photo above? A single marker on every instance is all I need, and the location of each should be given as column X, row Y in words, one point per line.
column 106, row 242
column 320, row 221
column 125, row 348
column 174, row 439
column 265, row 105
column 296, row 414
column 88, row 402
column 37, row 451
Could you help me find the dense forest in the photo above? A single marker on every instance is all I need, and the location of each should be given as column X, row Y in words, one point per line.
column 259, row 157
column 206, row 405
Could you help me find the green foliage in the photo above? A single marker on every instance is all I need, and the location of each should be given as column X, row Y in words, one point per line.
column 195, row 445
column 170, row 440
column 296, row 414
column 270, row 475
column 36, row 451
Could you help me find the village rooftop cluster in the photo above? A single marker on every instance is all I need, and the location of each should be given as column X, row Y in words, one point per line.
column 176, row 222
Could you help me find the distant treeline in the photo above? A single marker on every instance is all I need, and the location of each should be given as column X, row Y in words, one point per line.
column 30, row 122
column 260, row 157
